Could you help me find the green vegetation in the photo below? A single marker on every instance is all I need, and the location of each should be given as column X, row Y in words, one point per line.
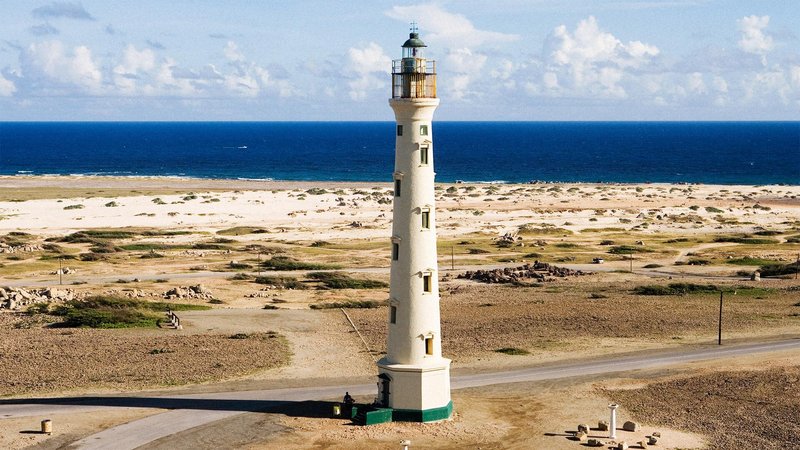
column 692, row 288
column 512, row 351
column 352, row 304
column 628, row 249
column 111, row 205
column 777, row 270
column 339, row 280
column 92, row 236
column 287, row 263
column 745, row 239
column 653, row 266
column 115, row 312
column 74, row 206
column 281, row 282
column 238, row 231
column 542, row 228
column 714, row 210
column 750, row 261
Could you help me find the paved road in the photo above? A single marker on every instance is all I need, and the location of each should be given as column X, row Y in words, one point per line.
column 193, row 410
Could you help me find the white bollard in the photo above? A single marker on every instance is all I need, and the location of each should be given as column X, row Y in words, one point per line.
column 405, row 443
column 612, row 425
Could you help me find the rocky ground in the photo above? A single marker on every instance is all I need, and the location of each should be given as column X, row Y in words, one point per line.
column 743, row 409
column 39, row 360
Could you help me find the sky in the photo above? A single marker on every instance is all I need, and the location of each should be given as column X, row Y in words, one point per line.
column 330, row 60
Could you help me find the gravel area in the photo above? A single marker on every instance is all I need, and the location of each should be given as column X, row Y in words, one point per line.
column 42, row 360
column 749, row 409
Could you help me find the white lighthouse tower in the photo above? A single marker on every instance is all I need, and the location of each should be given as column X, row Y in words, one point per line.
column 414, row 377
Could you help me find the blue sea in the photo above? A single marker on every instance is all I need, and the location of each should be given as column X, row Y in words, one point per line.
column 629, row 152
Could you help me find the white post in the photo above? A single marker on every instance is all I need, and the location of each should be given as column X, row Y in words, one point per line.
column 612, row 425
column 406, row 443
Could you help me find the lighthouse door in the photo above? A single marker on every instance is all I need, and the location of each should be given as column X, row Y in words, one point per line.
column 385, row 381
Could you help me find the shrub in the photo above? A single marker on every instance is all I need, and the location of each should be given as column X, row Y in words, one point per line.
column 477, row 251
column 750, row 261
column 353, row 304
column 281, row 282
column 628, row 249
column 512, row 351
column 745, row 240
column 241, row 276
column 74, row 207
column 653, row 266
column 151, row 255
column 714, row 210
column 776, row 270
column 675, row 289
column 338, row 280
column 287, row 263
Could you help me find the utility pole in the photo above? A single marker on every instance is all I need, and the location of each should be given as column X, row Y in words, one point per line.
column 60, row 272
column 452, row 258
column 797, row 266
column 630, row 259
column 719, row 336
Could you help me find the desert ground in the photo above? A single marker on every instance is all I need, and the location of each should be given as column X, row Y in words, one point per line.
column 284, row 284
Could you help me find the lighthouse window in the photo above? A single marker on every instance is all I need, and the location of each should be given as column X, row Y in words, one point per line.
column 423, row 155
column 397, row 188
column 393, row 314
column 426, row 283
column 423, row 130
column 426, row 219
column 429, row 346
column 399, row 130
column 395, row 251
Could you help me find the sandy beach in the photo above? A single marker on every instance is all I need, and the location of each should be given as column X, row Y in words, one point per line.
column 254, row 246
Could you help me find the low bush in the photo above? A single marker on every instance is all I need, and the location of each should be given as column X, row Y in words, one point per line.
column 115, row 312
column 512, row 351
column 339, row 280
column 281, row 282
column 745, row 240
column 628, row 249
column 287, row 263
column 675, row 289
column 353, row 304
column 777, row 270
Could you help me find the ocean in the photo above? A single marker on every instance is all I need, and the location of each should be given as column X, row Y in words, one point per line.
column 628, row 152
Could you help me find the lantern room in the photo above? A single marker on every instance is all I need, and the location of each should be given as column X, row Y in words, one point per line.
column 413, row 76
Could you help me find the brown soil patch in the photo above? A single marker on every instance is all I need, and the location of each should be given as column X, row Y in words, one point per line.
column 560, row 316
column 746, row 409
column 42, row 360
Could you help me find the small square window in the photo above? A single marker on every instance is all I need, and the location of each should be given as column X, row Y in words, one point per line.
column 426, row 219
column 395, row 251
column 423, row 155
column 426, row 283
column 399, row 130
column 423, row 130
column 393, row 314
column 429, row 346
column 397, row 188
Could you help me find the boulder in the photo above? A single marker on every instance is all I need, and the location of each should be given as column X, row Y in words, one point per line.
column 656, row 434
column 602, row 425
column 652, row 440
column 622, row 446
column 595, row 443
column 583, row 428
column 581, row 436
column 642, row 444
column 630, row 426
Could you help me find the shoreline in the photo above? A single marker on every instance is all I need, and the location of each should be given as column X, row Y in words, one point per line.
column 168, row 181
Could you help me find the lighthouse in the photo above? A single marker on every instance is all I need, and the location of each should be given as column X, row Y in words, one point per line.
column 414, row 378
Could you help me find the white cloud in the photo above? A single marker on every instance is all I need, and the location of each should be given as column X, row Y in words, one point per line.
column 50, row 61
column 370, row 68
column 447, row 29
column 232, row 52
column 753, row 39
column 590, row 61
column 7, row 87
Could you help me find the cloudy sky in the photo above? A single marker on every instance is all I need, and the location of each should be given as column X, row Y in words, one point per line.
column 330, row 59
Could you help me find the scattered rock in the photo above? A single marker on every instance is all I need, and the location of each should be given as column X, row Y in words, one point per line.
column 188, row 292
column 581, row 436
column 622, row 446
column 652, row 440
column 642, row 444
column 16, row 298
column 602, row 425
column 538, row 271
column 595, row 443
column 656, row 434
column 583, row 428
